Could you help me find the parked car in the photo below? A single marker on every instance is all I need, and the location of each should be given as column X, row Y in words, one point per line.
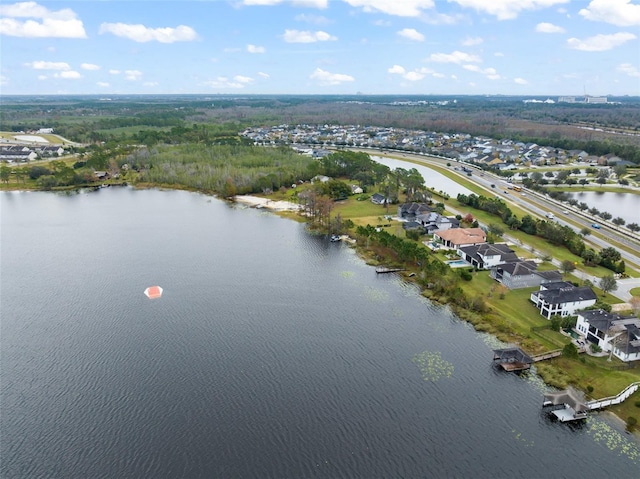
column 493, row 186
column 596, row 226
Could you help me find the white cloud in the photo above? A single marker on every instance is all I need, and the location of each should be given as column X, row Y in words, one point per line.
column 498, row 54
column 520, row 81
column 454, row 57
column 600, row 43
column 411, row 34
column 298, row 36
column 42, row 77
column 41, row 23
column 490, row 73
column 312, row 19
column 103, row 84
column 264, row 75
column 506, row 9
column 325, row 78
column 90, row 66
column 321, row 4
column 401, row 8
column 255, row 49
column 140, row 33
column 629, row 69
column 3, row 80
column 150, row 83
column 382, row 23
column 414, row 75
column 132, row 75
column 242, row 79
column 114, row 72
column 68, row 75
column 435, row 18
column 618, row 12
column 43, row 65
column 545, row 27
column 469, row 42
column 397, row 69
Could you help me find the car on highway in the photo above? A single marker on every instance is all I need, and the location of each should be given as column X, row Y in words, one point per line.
column 596, row 226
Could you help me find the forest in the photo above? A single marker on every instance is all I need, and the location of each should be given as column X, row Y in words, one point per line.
column 596, row 128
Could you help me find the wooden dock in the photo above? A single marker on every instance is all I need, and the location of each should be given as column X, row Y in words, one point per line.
column 549, row 355
column 512, row 359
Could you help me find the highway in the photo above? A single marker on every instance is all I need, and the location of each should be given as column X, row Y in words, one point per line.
column 539, row 205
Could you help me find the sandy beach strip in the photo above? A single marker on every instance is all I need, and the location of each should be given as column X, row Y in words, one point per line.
column 258, row 202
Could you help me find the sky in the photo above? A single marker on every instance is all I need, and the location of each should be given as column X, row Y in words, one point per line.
column 242, row 47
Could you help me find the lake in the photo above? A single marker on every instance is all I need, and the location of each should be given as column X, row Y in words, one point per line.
column 624, row 205
column 432, row 178
column 272, row 353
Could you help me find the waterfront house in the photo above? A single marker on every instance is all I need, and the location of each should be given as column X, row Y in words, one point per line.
column 563, row 298
column 454, row 238
column 619, row 335
column 522, row 274
column 409, row 211
column 378, row 199
column 485, row 256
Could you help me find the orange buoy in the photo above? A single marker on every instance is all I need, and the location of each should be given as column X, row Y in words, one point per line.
column 153, row 292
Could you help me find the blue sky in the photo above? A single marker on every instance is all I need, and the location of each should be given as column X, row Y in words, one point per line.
column 511, row 47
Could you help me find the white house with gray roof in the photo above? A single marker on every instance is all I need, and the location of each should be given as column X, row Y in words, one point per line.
column 485, row 256
column 563, row 298
column 522, row 274
column 617, row 334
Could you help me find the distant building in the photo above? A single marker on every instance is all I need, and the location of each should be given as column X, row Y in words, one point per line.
column 595, row 99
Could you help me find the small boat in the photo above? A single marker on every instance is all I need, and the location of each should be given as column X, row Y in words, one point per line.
column 335, row 238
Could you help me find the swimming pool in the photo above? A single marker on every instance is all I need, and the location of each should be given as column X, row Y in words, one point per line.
column 457, row 263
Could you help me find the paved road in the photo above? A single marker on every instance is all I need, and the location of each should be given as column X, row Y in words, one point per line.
column 624, row 286
column 539, row 205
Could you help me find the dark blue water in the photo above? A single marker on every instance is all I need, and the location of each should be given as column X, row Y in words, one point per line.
column 272, row 353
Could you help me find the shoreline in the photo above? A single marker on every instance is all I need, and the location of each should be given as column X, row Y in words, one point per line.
column 280, row 206
column 259, row 202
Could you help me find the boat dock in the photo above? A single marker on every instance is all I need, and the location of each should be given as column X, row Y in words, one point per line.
column 574, row 407
column 515, row 359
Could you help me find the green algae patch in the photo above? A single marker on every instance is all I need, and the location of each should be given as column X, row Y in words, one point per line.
column 432, row 366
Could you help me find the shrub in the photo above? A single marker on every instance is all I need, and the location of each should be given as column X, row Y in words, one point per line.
column 570, row 351
column 589, row 388
column 466, row 275
column 637, row 403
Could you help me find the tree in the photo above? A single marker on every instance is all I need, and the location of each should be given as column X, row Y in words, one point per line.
column 634, row 302
column 619, row 221
column 229, row 188
column 634, row 227
column 608, row 283
column 496, row 229
column 5, row 173
column 567, row 266
column 585, row 231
